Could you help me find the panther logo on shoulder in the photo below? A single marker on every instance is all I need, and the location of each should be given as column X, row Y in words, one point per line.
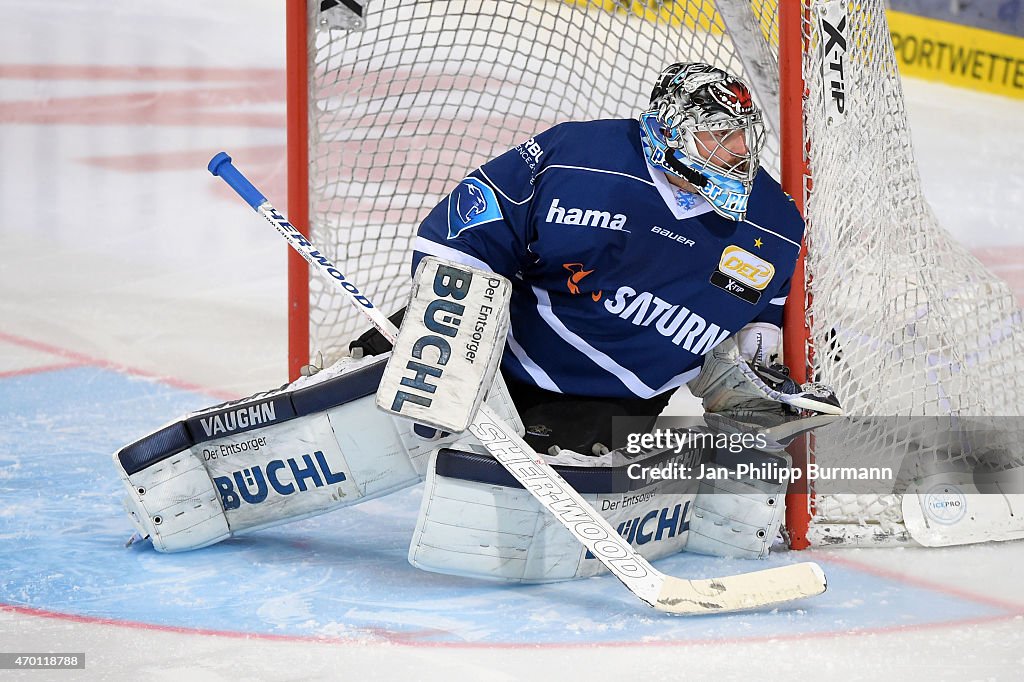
column 475, row 203
column 470, row 204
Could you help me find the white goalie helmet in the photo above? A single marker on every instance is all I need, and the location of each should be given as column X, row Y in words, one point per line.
column 702, row 125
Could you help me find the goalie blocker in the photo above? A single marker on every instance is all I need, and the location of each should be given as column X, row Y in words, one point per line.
column 448, row 349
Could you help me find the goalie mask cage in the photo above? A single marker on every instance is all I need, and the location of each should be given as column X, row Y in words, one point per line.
column 392, row 102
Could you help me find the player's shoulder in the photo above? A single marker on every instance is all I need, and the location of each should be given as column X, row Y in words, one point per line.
column 603, row 144
column 771, row 207
column 619, row 127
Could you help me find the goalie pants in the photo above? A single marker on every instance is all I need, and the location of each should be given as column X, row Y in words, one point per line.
column 577, row 422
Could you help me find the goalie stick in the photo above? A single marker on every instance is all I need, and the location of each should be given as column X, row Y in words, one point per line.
column 664, row 592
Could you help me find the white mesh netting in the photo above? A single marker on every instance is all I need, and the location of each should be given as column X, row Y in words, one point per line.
column 905, row 321
column 403, row 110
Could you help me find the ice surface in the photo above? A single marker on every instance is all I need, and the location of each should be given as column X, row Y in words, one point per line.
column 134, row 287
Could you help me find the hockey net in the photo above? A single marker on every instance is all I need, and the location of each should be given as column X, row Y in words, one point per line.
column 398, row 100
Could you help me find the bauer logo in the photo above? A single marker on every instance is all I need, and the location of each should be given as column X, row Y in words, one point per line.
column 284, row 477
column 472, row 203
column 654, row 526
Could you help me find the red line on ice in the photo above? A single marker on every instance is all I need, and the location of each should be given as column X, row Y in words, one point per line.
column 39, row 369
column 923, row 583
column 79, row 359
column 412, row 638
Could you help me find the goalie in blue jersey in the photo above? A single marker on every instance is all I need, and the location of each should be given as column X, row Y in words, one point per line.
column 642, row 254
column 635, row 248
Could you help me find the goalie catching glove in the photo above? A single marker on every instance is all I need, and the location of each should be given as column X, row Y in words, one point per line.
column 730, row 383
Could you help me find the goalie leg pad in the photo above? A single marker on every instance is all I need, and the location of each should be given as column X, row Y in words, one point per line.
column 961, row 508
column 476, row 521
column 314, row 446
column 740, row 505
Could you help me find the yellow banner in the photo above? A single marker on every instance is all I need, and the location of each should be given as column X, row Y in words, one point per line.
column 959, row 55
column 693, row 14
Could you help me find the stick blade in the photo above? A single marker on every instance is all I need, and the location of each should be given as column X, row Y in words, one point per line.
column 741, row 592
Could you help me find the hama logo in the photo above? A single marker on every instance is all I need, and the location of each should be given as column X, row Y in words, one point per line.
column 472, row 203
column 284, row 477
column 654, row 526
column 584, row 216
column 746, row 267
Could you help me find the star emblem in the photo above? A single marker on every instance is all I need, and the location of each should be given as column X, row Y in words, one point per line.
column 758, row 243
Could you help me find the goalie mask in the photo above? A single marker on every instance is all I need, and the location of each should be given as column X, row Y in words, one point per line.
column 703, row 126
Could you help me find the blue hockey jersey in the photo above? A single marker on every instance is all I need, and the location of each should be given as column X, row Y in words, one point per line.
column 621, row 283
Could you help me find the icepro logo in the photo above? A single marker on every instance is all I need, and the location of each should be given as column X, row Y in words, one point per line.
column 654, row 526
column 945, row 504
column 285, row 477
column 472, row 203
column 832, row 25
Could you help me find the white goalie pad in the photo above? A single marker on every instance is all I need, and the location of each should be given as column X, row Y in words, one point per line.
column 964, row 508
column 739, row 509
column 476, row 521
column 448, row 349
column 314, row 446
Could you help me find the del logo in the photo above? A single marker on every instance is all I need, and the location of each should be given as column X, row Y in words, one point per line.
column 285, row 477
column 945, row 504
column 472, row 203
column 655, row 525
column 746, row 267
